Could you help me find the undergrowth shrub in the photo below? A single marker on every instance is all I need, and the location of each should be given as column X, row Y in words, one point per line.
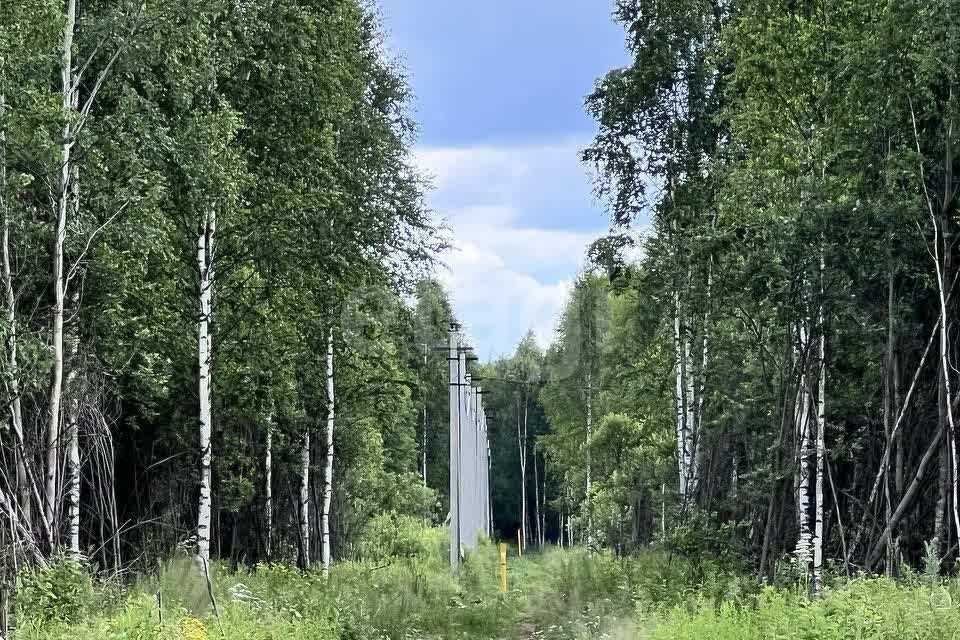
column 390, row 536
column 60, row 593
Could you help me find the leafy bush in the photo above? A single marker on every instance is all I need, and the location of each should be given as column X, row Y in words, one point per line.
column 60, row 593
column 390, row 536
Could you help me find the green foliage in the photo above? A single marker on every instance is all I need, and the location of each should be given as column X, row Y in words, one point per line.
column 864, row 610
column 61, row 593
column 392, row 536
column 556, row 594
column 386, row 597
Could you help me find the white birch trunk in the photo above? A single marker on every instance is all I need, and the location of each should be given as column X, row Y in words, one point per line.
column 328, row 464
column 678, row 397
column 305, row 499
column 205, row 250
column 268, row 488
column 802, row 420
column 73, row 407
column 53, row 443
column 73, row 449
column 702, row 386
column 690, row 430
column 821, row 442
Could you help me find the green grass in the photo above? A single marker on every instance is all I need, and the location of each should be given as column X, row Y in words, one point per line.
column 864, row 609
column 410, row 596
column 402, row 590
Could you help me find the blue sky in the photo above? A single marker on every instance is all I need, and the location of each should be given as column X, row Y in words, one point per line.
column 499, row 88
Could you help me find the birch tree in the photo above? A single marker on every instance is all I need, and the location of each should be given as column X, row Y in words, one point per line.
column 328, row 461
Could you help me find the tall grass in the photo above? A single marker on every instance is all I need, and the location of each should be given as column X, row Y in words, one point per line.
column 863, row 609
column 411, row 595
column 401, row 589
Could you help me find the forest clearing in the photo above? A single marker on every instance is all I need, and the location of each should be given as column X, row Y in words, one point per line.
column 306, row 310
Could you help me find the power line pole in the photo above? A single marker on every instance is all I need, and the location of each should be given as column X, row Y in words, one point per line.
column 469, row 451
column 453, row 361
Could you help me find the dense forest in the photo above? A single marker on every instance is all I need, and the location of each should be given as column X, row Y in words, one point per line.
column 776, row 373
column 211, row 231
column 222, row 302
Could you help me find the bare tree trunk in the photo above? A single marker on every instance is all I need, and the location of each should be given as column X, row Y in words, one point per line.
column 11, row 343
column 560, row 516
column 908, row 497
column 897, row 435
column 941, row 251
column 888, row 420
column 205, row 252
column 942, row 279
column 424, row 445
column 328, row 465
column 524, row 509
column 943, row 483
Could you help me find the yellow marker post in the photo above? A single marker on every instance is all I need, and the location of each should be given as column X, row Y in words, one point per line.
column 503, row 568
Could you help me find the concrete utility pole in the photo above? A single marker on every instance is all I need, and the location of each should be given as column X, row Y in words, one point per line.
column 489, row 496
column 466, row 459
column 462, row 422
column 469, row 453
column 453, row 360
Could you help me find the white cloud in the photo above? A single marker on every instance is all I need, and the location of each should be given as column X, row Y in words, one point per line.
column 513, row 261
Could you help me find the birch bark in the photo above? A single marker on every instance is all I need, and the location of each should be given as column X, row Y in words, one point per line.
column 206, row 237
column 328, row 465
column 702, row 386
column 53, row 439
column 73, row 444
column 679, row 400
column 304, row 505
column 802, row 420
column 821, row 441
column 690, row 431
